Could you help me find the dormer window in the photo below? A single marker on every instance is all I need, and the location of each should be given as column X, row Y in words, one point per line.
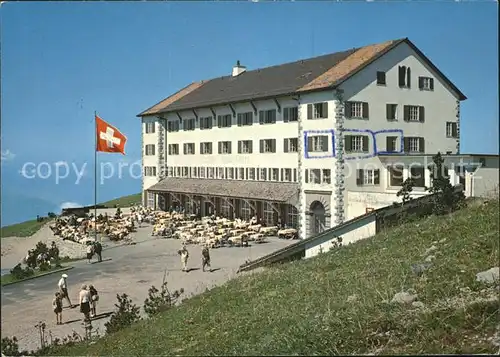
column 404, row 77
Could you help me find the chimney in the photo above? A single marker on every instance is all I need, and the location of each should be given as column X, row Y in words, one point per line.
column 238, row 69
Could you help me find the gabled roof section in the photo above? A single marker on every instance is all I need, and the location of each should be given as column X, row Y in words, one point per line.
column 157, row 108
column 313, row 74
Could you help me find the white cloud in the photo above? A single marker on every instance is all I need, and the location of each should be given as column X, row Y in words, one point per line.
column 7, row 155
column 70, row 205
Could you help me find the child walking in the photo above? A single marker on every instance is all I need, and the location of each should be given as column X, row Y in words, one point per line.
column 57, row 306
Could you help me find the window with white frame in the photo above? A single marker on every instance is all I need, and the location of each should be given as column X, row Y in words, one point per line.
column 317, row 110
column 315, row 176
column 220, row 173
column 356, row 143
column 251, row 173
column 245, row 146
column 262, row 174
column 178, row 171
column 193, row 172
column 189, row 124
column 267, row 116
column 241, row 173
column 356, row 110
column 185, row 171
column 189, row 149
column 268, row 145
column 268, row 214
column 295, row 175
column 413, row 113
column 149, row 170
column 206, row 123
column 202, row 172
column 224, row 121
column 210, row 172
column 275, row 174
column 173, row 149
column 368, row 177
column 246, row 210
column 245, row 119
column 170, row 171
column 293, row 216
column 451, row 130
column 290, row 144
column 426, row 83
column 230, row 173
column 150, row 149
column 150, row 127
column 287, row 175
column 317, row 143
column 414, row 144
column 206, row 148
column 173, row 126
column 224, row 147
column 290, row 114
column 151, row 200
column 326, row 176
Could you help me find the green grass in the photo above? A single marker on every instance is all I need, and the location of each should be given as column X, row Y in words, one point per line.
column 125, row 201
column 28, row 228
column 24, row 229
column 302, row 308
column 8, row 278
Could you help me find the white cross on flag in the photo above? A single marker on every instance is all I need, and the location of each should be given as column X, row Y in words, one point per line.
column 109, row 139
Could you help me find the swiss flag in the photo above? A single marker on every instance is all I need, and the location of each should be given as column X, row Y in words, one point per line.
column 109, row 139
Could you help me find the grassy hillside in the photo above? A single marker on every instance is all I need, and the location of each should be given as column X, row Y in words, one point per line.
column 340, row 302
column 125, row 201
column 24, row 229
column 28, row 228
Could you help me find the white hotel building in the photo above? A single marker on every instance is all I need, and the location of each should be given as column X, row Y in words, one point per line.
column 314, row 142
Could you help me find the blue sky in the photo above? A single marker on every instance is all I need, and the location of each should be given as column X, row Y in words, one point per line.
column 63, row 61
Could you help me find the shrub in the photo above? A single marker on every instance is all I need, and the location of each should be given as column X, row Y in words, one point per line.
column 126, row 314
column 10, row 347
column 446, row 200
column 19, row 273
column 44, row 266
column 51, row 215
column 160, row 300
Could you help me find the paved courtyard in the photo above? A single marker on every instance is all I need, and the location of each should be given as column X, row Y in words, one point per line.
column 126, row 269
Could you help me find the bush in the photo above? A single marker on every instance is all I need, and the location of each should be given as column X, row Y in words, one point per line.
column 126, row 314
column 45, row 266
column 446, row 200
column 10, row 347
column 51, row 215
column 159, row 301
column 19, row 273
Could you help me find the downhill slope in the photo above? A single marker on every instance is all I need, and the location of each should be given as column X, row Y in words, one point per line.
column 340, row 302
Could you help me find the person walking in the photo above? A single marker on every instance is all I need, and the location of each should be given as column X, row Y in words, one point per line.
column 57, row 306
column 90, row 252
column 63, row 289
column 205, row 258
column 184, row 258
column 94, row 298
column 84, row 300
column 98, row 250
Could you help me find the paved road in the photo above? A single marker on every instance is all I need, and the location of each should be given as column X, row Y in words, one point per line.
column 128, row 269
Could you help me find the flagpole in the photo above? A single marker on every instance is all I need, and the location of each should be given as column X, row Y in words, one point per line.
column 95, row 176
